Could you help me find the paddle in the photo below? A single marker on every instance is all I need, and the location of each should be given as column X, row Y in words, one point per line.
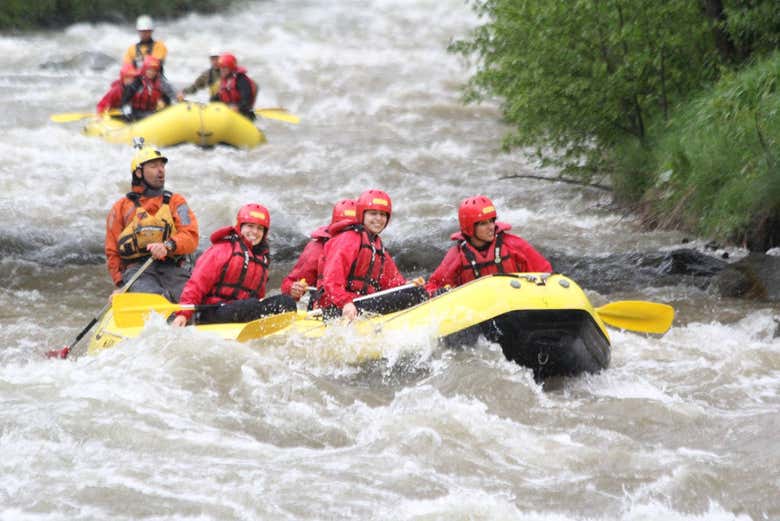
column 637, row 315
column 67, row 117
column 63, row 353
column 266, row 325
column 278, row 113
column 130, row 310
column 384, row 292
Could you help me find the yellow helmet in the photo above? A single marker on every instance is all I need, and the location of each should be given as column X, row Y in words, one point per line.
column 145, row 155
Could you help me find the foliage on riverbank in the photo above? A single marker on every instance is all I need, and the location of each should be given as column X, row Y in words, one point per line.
column 718, row 163
column 25, row 15
column 676, row 102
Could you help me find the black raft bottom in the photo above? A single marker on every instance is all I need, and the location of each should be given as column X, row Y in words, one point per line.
column 550, row 342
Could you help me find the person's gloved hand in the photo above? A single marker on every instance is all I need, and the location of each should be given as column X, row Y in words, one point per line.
column 127, row 110
column 441, row 291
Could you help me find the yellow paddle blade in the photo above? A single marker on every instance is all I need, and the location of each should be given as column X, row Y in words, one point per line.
column 66, row 117
column 637, row 315
column 266, row 325
column 131, row 309
column 278, row 113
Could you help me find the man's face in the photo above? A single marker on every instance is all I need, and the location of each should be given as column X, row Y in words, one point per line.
column 145, row 35
column 154, row 173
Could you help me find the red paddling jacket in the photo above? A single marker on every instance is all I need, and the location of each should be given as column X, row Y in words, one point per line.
column 238, row 89
column 507, row 253
column 231, row 269
column 356, row 263
column 308, row 262
column 112, row 98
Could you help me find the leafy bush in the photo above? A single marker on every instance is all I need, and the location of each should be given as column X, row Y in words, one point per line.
column 722, row 154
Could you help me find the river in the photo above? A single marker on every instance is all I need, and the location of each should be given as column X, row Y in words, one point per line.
column 178, row 425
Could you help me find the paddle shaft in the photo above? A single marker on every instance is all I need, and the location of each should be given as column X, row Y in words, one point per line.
column 383, row 292
column 67, row 117
column 63, row 353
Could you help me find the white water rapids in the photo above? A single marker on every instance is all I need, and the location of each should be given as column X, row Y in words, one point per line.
column 179, row 425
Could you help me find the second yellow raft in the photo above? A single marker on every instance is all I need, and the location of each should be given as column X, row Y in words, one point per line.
column 197, row 123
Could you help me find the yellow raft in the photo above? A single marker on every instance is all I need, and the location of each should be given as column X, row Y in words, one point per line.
column 197, row 123
column 541, row 321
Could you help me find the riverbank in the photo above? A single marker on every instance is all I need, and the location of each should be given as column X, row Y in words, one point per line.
column 672, row 106
column 21, row 15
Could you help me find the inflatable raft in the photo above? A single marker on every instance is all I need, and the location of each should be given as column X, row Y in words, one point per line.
column 541, row 321
column 197, row 123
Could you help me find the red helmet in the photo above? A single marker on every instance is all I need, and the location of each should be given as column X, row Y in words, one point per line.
column 473, row 210
column 228, row 61
column 127, row 70
column 151, row 62
column 253, row 213
column 344, row 210
column 373, row 200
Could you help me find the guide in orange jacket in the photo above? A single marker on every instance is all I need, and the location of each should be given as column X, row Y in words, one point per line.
column 150, row 221
column 146, row 46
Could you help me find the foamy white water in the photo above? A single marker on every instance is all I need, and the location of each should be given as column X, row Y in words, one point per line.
column 178, row 425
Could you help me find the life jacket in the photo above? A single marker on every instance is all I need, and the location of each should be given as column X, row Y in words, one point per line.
column 246, row 272
column 145, row 99
column 228, row 93
column 476, row 263
column 214, row 82
column 138, row 60
column 366, row 270
column 145, row 229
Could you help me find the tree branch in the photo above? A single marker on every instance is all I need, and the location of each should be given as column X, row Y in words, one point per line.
column 557, row 180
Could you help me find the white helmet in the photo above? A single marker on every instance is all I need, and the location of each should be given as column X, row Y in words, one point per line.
column 214, row 52
column 144, row 23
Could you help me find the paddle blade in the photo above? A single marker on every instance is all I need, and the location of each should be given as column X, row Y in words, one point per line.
column 66, row 117
column 58, row 353
column 131, row 309
column 265, row 326
column 637, row 315
column 280, row 114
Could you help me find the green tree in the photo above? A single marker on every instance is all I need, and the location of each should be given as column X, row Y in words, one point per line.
column 577, row 78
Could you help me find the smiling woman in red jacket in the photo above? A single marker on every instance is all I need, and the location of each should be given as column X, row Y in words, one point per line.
column 484, row 247
column 356, row 262
column 231, row 275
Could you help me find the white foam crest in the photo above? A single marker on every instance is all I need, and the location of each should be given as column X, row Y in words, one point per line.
column 342, row 346
column 462, row 503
